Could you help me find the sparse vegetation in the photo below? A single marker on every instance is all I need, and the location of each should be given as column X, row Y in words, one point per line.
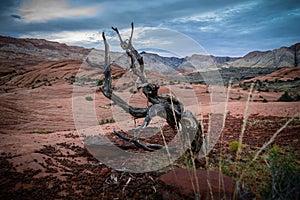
column 99, row 82
column 250, row 174
column 188, row 88
column 81, row 81
column 89, row 98
column 132, row 91
column 234, row 146
column 106, row 121
column 285, row 97
column 171, row 82
column 232, row 73
column 237, row 98
column 71, row 79
column 41, row 131
column 284, row 182
column 275, row 174
column 290, row 86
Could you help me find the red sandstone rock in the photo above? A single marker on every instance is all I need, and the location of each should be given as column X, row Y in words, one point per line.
column 190, row 183
column 104, row 171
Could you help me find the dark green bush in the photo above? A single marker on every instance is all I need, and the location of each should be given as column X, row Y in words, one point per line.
column 99, row 82
column 71, row 79
column 285, row 97
column 89, row 98
column 265, row 100
column 132, row 91
column 106, row 121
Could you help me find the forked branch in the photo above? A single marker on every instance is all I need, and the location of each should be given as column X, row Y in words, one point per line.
column 133, row 54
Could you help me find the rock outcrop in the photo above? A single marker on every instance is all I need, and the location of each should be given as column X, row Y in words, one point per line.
column 278, row 58
column 200, row 183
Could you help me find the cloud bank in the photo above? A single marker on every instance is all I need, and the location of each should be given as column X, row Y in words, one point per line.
column 45, row 10
column 223, row 28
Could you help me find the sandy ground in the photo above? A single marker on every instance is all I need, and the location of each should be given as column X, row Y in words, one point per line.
column 41, row 148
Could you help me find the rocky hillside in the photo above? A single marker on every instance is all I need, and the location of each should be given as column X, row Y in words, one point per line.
column 20, row 53
column 164, row 64
column 278, row 58
column 273, row 59
column 26, row 52
column 202, row 62
column 17, row 56
column 188, row 64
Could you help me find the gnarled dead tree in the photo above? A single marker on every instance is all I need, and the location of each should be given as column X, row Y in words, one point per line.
column 166, row 106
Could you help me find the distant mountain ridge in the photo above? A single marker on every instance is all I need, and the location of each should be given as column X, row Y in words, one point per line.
column 277, row 58
column 26, row 52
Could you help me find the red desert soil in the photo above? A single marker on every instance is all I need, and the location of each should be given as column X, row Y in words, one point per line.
column 42, row 156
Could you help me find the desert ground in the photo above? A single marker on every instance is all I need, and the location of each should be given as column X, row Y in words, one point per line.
column 43, row 155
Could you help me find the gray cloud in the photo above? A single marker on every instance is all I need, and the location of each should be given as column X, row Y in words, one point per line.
column 222, row 27
column 44, row 10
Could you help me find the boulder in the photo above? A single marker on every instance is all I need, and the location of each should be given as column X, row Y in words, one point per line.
column 197, row 184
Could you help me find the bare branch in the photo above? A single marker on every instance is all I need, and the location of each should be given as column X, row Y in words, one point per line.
column 133, row 54
column 107, row 88
column 107, row 85
column 149, row 147
column 130, row 39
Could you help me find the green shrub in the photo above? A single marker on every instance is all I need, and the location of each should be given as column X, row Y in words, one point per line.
column 265, row 100
column 101, row 122
column 106, row 121
column 131, row 90
column 259, row 83
column 285, row 176
column 89, row 98
column 285, row 97
column 71, row 79
column 171, row 82
column 188, row 88
column 234, row 146
column 41, row 132
column 99, row 82
column 296, row 78
column 245, row 87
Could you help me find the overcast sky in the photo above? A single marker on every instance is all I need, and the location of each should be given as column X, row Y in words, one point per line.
column 221, row 27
